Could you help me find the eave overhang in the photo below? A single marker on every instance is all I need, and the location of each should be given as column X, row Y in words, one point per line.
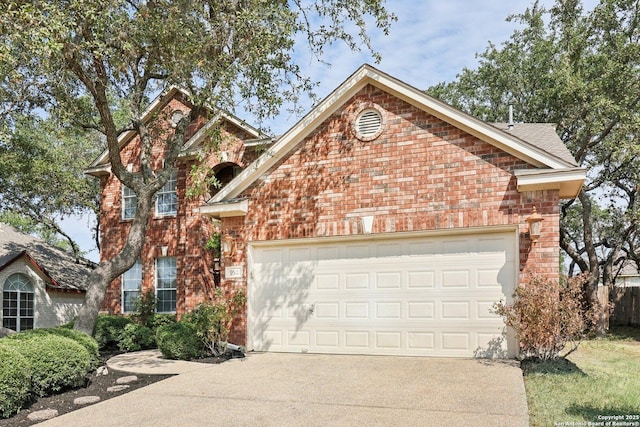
column 231, row 208
column 567, row 181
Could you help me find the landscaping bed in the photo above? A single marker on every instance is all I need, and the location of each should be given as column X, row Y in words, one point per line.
column 97, row 385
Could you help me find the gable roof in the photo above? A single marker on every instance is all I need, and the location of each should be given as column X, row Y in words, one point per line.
column 59, row 267
column 101, row 164
column 533, row 143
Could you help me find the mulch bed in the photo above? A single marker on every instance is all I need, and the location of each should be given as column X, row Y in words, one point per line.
column 97, row 385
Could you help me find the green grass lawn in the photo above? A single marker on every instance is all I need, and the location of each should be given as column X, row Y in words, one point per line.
column 601, row 379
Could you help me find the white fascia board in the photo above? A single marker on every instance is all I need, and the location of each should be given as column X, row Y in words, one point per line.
column 567, row 181
column 224, row 210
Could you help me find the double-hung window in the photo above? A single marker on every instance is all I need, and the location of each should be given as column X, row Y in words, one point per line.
column 129, row 201
column 166, row 285
column 131, row 285
column 167, row 200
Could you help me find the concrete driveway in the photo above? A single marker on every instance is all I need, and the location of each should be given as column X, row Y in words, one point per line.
column 274, row 389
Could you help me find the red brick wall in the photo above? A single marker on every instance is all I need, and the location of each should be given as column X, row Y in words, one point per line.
column 183, row 235
column 419, row 174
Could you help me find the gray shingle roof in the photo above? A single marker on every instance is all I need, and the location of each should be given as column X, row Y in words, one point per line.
column 59, row 265
column 541, row 135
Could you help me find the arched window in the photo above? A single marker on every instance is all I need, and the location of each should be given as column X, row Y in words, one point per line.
column 224, row 173
column 17, row 303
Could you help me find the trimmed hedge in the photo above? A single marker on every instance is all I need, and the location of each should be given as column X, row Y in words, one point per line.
column 15, row 379
column 179, row 341
column 56, row 362
column 81, row 338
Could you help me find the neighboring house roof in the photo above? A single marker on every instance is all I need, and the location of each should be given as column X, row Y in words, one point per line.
column 533, row 143
column 59, row 267
column 101, row 164
column 630, row 269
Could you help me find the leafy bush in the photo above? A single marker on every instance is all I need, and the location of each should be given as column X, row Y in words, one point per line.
column 213, row 321
column 108, row 329
column 135, row 337
column 81, row 338
column 145, row 308
column 56, row 362
column 547, row 316
column 161, row 319
column 15, row 379
column 179, row 341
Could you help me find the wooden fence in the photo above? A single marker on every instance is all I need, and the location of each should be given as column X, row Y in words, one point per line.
column 626, row 305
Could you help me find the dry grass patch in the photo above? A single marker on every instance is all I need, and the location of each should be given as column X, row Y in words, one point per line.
column 597, row 381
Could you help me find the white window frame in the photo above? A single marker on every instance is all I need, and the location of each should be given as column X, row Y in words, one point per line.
column 21, row 285
column 169, row 190
column 131, row 284
column 166, row 281
column 129, row 202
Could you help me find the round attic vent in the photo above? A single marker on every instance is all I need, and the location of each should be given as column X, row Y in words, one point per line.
column 368, row 124
column 176, row 116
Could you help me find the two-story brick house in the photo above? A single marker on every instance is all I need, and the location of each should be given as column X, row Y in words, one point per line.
column 174, row 260
column 383, row 222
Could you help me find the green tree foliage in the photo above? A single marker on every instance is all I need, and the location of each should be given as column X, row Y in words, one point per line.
column 82, row 61
column 41, row 177
column 580, row 70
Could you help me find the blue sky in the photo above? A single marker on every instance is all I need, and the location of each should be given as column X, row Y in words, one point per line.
column 431, row 42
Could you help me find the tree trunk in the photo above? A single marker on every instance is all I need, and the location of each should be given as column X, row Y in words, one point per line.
column 591, row 286
column 107, row 271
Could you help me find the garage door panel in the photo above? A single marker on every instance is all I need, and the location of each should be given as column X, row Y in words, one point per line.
column 424, row 296
column 357, row 281
column 421, row 279
column 357, row 339
column 420, row 310
column 389, row 310
column 388, row 280
column 328, row 281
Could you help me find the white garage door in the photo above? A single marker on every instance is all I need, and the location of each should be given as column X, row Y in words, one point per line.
column 416, row 295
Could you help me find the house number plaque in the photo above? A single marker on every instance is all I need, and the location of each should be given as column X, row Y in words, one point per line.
column 233, row 272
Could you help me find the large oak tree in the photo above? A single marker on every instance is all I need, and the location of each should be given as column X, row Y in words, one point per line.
column 581, row 70
column 80, row 61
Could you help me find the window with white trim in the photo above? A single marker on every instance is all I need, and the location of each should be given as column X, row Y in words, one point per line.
column 131, row 286
column 17, row 303
column 129, row 202
column 167, row 200
column 166, row 284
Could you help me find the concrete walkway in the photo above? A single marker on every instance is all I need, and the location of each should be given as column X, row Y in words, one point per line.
column 272, row 389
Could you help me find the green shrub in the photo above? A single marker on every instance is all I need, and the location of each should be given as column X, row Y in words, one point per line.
column 136, row 337
column 56, row 362
column 15, row 379
column 179, row 341
column 213, row 321
column 161, row 319
column 80, row 337
column 145, row 308
column 108, row 329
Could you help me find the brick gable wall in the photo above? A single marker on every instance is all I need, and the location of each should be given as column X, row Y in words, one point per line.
column 419, row 174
